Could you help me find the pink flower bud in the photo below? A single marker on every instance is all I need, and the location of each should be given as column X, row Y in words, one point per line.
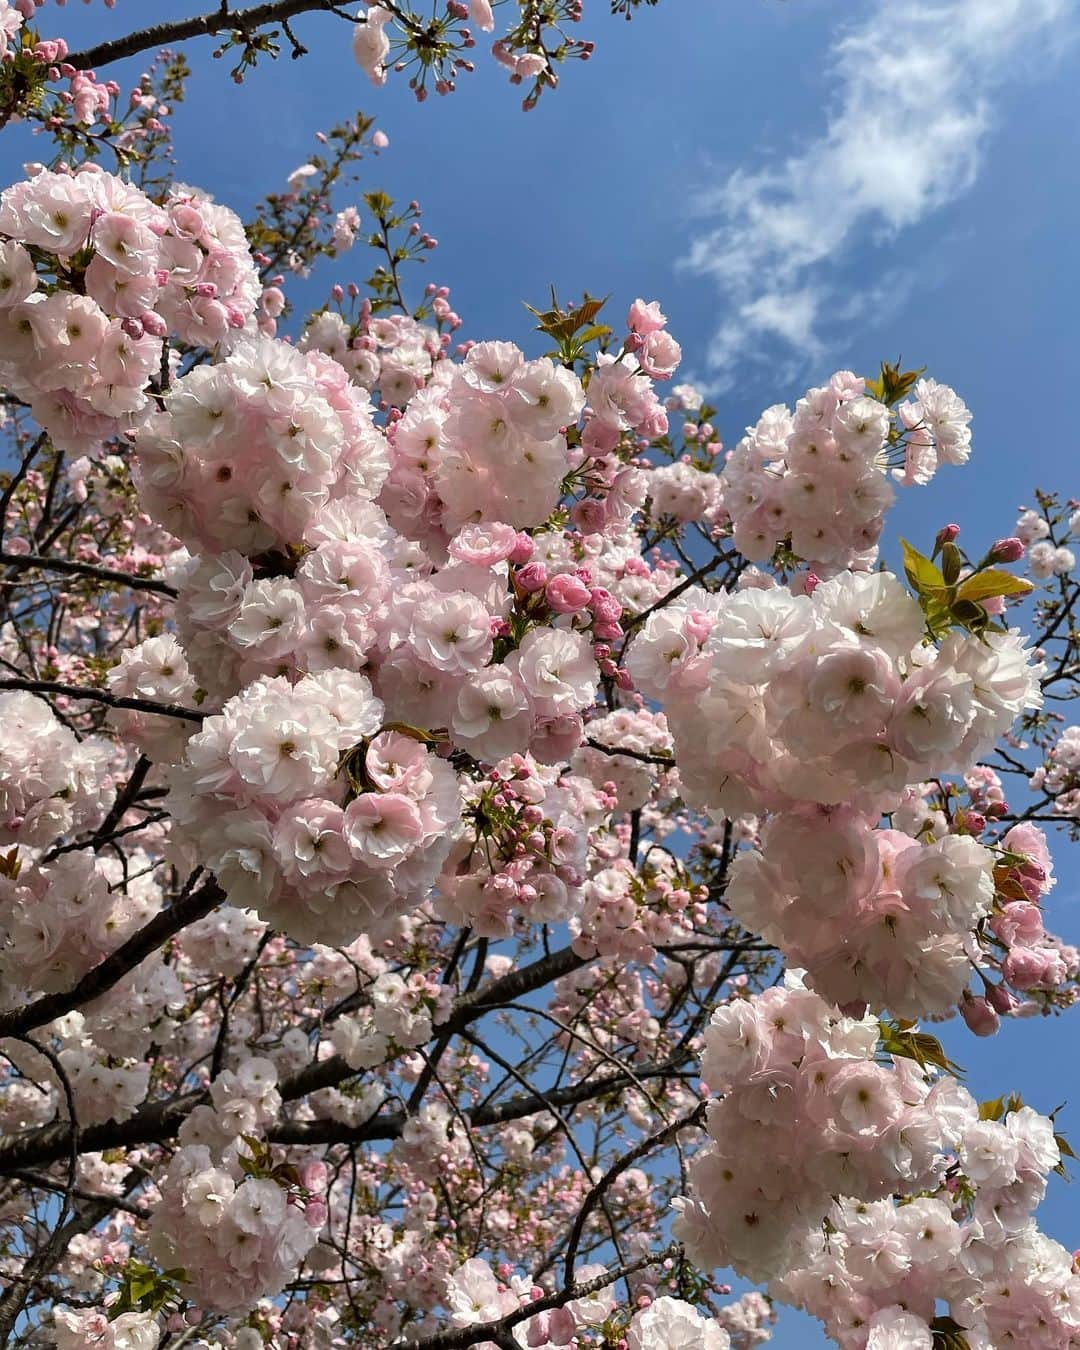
column 1001, row 999
column 313, row 1176
column 567, row 594
column 1007, row 550
column 532, row 577
column 1026, row 967
column 523, row 550
column 604, row 605
column 315, row 1211
column 154, row 324
column 946, row 535
column 979, row 1016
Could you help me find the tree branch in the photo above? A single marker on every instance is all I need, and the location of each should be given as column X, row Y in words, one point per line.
column 220, row 20
column 135, row 950
column 463, row 1337
column 68, row 567
column 109, row 700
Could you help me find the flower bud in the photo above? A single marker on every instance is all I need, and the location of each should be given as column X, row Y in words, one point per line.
column 946, row 535
column 979, row 1016
column 567, row 594
column 1000, row 999
column 1006, row 550
column 532, row 577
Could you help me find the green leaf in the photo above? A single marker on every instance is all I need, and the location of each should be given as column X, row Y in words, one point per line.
column 378, row 203
column 939, row 618
column 948, row 1334
column 993, row 1109
column 596, row 330
column 952, row 560
column 920, row 1046
column 925, row 576
column 1064, row 1145
column 991, row 583
column 144, row 1289
column 562, row 324
column 997, row 1108
column 893, row 384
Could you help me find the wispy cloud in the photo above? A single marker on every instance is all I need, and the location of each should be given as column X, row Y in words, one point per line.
column 913, row 85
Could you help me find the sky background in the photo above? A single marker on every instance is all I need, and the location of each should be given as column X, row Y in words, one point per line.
column 805, row 185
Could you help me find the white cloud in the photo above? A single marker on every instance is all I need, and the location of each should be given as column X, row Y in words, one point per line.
column 912, row 107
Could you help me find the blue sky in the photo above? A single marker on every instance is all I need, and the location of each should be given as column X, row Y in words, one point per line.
column 804, row 184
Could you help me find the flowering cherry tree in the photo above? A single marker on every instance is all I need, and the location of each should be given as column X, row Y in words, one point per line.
column 478, row 858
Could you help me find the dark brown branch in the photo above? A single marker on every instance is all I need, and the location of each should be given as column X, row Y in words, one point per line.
column 160, row 1121
column 220, row 20
column 186, row 910
column 330, row 1072
column 109, row 700
column 665, row 761
column 151, row 1124
column 635, row 621
column 124, row 800
column 14, row 1300
column 17, row 477
column 463, row 1337
column 501, row 1113
column 46, row 1183
column 67, row 567
column 639, row 1151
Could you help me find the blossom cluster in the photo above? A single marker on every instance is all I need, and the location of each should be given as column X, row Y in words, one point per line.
column 238, row 1238
column 81, row 338
column 816, row 479
column 398, row 1013
column 393, row 353
column 801, row 1078
column 1045, row 557
column 51, row 783
column 498, row 452
column 973, row 1244
column 78, row 1329
column 103, row 1086
column 874, row 916
column 524, row 851
column 289, row 836
column 249, row 451
column 1059, row 776
column 474, row 1294
column 776, row 698
column 61, row 918
column 437, row 685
